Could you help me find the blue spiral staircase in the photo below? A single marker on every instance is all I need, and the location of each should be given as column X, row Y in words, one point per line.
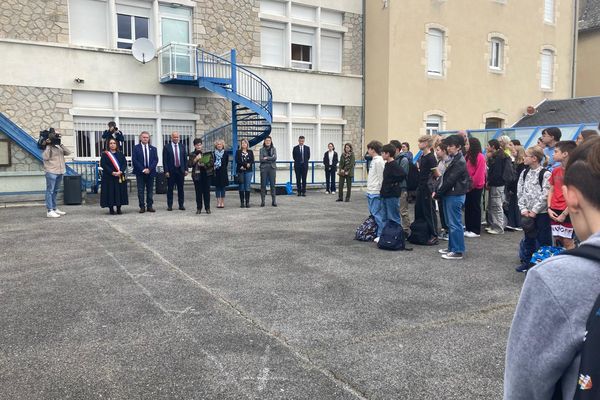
column 250, row 96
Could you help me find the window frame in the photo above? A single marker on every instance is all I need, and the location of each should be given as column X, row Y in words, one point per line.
column 132, row 19
column 549, row 12
column 496, row 53
column 442, row 61
column 429, row 128
column 547, row 54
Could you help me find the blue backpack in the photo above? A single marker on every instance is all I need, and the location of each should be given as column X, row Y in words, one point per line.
column 392, row 237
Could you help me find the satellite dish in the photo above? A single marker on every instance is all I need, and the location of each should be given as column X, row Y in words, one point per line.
column 143, row 50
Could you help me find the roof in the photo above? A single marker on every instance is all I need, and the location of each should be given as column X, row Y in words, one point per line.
column 562, row 112
column 590, row 16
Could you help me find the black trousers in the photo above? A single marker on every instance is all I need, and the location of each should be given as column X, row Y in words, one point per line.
column 473, row 211
column 512, row 212
column 330, row 178
column 424, row 209
column 145, row 182
column 301, row 172
column 440, row 206
column 175, row 178
column 202, row 187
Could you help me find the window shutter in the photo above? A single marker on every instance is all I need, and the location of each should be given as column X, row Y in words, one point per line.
column 271, row 46
column 547, row 69
column 331, row 53
column 435, row 51
column 549, row 11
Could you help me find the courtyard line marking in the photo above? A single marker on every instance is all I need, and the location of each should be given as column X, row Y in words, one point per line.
column 309, row 363
column 263, row 378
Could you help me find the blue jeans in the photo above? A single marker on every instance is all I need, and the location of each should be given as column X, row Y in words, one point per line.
column 391, row 211
column 52, row 185
column 453, row 213
column 376, row 210
column 219, row 192
column 145, row 182
column 245, row 187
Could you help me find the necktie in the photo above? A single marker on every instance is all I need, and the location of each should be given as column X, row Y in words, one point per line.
column 176, row 151
column 146, row 155
column 302, row 153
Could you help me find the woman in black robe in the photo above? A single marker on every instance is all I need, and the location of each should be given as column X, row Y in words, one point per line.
column 114, row 185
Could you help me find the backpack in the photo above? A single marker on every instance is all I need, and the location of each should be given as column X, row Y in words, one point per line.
column 392, row 237
column 545, row 252
column 540, row 175
column 508, row 173
column 412, row 177
column 367, row 231
column 419, row 232
column 589, row 368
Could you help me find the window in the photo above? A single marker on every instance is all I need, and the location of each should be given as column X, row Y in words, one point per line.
column 88, row 22
column 309, row 132
column 303, row 12
column 497, row 54
column 549, row 11
column 175, row 24
column 435, row 52
column 272, row 44
column 433, row 124
column 130, row 28
column 279, row 134
column 332, row 134
column 88, row 136
column 493, row 123
column 332, row 17
column 131, row 129
column 302, row 46
column 547, row 70
column 272, row 7
column 331, row 52
column 186, row 131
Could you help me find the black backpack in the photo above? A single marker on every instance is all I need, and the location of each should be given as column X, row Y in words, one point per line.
column 540, row 175
column 419, row 232
column 589, row 369
column 392, row 237
column 412, row 178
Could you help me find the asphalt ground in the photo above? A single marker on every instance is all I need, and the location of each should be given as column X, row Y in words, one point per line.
column 259, row 303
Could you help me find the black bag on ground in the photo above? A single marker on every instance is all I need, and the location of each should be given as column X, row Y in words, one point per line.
column 160, row 183
column 367, row 231
column 419, row 232
column 392, row 237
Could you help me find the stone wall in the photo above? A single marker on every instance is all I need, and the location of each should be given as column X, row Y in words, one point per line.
column 37, row 20
column 20, row 159
column 221, row 25
column 34, row 109
column 213, row 112
column 353, row 128
column 353, row 44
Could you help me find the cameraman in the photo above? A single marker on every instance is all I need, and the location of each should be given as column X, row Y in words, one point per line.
column 113, row 133
column 54, row 166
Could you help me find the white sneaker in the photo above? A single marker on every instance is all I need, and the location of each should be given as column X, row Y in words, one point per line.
column 471, row 234
column 493, row 232
column 443, row 251
column 376, row 240
column 52, row 214
column 59, row 212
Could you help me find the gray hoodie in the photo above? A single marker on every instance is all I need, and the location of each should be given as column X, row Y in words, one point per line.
column 548, row 328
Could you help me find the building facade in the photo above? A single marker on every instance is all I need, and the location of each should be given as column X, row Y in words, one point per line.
column 454, row 64
column 588, row 43
column 68, row 64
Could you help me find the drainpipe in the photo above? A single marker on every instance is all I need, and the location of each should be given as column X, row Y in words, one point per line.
column 575, row 40
column 363, row 61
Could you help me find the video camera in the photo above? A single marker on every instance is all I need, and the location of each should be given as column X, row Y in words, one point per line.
column 49, row 134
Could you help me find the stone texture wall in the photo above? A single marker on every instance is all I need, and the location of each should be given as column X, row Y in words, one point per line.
column 20, row 159
column 353, row 129
column 37, row 20
column 220, row 25
column 34, row 109
column 213, row 112
column 353, row 44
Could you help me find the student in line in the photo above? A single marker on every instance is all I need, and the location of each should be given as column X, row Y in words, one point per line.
column 560, row 222
column 330, row 161
column 374, row 180
column 406, row 151
column 403, row 161
column 513, row 214
column 476, row 166
column 585, row 135
column 441, row 154
column 548, row 329
column 346, row 171
column 455, row 184
column 423, row 203
column 393, row 175
column 551, row 136
column 498, row 162
column 532, row 192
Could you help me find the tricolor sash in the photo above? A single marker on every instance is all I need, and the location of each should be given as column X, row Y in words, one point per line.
column 115, row 164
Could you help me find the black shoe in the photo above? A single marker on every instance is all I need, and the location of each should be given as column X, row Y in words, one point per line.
column 274, row 204
column 303, row 194
column 262, row 203
column 142, row 210
column 199, row 211
column 299, row 194
column 182, row 208
column 339, row 200
column 522, row 268
column 119, row 211
column 112, row 212
column 433, row 241
column 170, row 209
column 347, row 200
column 150, row 209
column 208, row 210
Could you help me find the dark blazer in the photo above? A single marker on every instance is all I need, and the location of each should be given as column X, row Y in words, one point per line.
column 238, row 161
column 456, row 180
column 334, row 161
column 169, row 158
column 137, row 159
column 118, row 135
column 298, row 159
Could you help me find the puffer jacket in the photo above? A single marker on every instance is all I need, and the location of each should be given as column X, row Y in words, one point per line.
column 456, row 179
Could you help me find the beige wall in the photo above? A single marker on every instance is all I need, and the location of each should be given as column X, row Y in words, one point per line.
column 396, row 103
column 588, row 59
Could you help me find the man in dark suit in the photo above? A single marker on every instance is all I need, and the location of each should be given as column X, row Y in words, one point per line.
column 174, row 163
column 301, row 154
column 144, row 159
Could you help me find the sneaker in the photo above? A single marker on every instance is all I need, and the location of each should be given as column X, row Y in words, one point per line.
column 52, row 214
column 376, row 240
column 60, row 212
column 444, row 236
column 518, row 229
column 443, row 251
column 471, row 234
column 452, row 256
column 509, row 228
column 493, row 232
column 522, row 268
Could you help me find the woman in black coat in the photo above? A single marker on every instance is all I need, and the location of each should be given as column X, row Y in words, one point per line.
column 244, row 161
column 220, row 178
column 330, row 160
column 114, row 185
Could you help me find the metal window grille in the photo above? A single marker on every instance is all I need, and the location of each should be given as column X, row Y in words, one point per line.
column 131, row 129
column 332, row 134
column 310, row 133
column 187, row 132
column 88, row 137
column 279, row 134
